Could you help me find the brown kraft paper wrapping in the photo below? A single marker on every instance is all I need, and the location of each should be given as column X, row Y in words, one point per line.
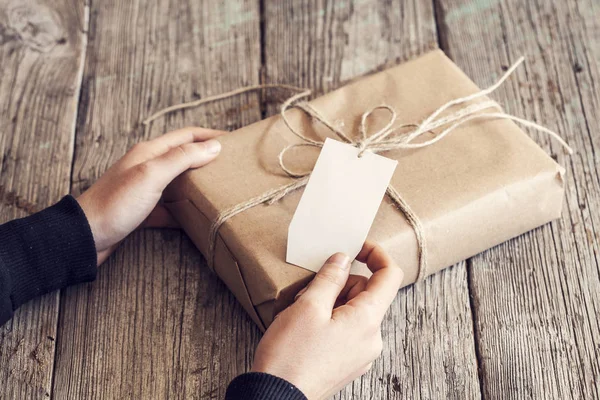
column 483, row 184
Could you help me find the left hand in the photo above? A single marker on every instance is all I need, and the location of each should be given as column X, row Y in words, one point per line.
column 127, row 195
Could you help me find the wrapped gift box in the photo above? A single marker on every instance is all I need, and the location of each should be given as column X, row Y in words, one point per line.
column 481, row 185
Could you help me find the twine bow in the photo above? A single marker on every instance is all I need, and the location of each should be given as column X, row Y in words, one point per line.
column 389, row 137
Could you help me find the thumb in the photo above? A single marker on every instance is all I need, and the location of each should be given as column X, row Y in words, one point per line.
column 329, row 281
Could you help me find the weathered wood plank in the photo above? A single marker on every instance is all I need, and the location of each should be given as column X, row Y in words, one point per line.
column 156, row 324
column 537, row 298
column 42, row 47
column 429, row 345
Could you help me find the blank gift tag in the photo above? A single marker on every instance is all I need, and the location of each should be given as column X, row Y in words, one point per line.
column 338, row 205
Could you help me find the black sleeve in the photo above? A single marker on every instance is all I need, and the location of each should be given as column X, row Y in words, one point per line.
column 44, row 252
column 260, row 386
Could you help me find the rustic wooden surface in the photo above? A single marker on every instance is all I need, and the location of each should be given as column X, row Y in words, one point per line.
column 519, row 321
column 537, row 298
column 42, row 47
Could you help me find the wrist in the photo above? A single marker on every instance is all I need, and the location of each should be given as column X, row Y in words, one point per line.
column 86, row 207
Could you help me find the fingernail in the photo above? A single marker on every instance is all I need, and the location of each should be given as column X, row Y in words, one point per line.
column 213, row 146
column 339, row 259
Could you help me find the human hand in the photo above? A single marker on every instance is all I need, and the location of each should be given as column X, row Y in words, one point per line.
column 127, row 195
column 332, row 333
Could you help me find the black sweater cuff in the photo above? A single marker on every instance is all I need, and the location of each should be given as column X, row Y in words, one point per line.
column 44, row 252
column 261, row 386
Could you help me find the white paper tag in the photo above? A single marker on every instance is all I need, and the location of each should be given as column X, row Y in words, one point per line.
column 338, row 205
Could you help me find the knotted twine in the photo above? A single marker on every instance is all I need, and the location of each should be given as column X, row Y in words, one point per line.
column 390, row 137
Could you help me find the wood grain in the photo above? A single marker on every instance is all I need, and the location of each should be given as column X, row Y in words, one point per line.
column 428, row 333
column 156, row 324
column 537, row 298
column 41, row 59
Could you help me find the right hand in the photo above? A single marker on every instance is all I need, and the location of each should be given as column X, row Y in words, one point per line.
column 332, row 333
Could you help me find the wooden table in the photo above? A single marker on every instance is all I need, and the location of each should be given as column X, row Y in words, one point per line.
column 77, row 77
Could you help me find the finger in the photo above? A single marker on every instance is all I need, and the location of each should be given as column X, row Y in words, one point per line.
column 160, row 217
column 357, row 288
column 176, row 138
column 165, row 168
column 368, row 247
column 327, row 284
column 354, row 285
column 382, row 287
column 145, row 151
